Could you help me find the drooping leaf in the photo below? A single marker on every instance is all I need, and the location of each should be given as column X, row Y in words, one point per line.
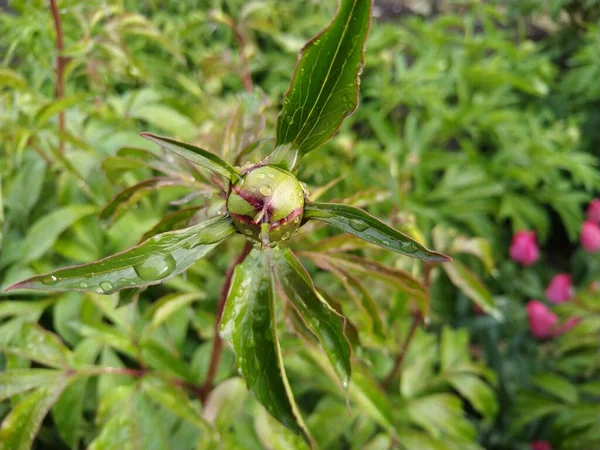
column 154, row 261
column 17, row 381
column 21, row 425
column 363, row 225
column 325, row 85
column 470, row 284
column 477, row 392
column 249, row 325
column 323, row 320
column 441, row 414
column 197, row 155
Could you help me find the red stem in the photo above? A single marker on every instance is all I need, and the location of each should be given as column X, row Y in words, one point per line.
column 246, row 75
column 217, row 348
column 402, row 355
column 60, row 69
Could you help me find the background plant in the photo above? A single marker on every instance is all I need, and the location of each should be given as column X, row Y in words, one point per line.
column 131, row 63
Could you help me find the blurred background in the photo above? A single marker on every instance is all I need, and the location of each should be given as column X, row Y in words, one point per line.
column 478, row 131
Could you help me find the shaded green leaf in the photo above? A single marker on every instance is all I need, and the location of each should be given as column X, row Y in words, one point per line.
column 477, row 392
column 249, row 325
column 154, row 261
column 470, row 284
column 17, row 381
column 225, row 403
column 197, row 155
column 441, row 414
column 325, row 85
column 22, row 424
column 43, row 234
column 35, row 343
column 367, row 227
column 323, row 320
column 556, row 385
column 67, row 413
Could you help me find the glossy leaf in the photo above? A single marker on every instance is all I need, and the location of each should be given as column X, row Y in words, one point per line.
column 17, row 381
column 170, row 222
column 21, row 425
column 154, row 261
column 367, row 227
column 323, row 320
column 470, row 284
column 249, row 325
column 325, row 85
column 196, row 155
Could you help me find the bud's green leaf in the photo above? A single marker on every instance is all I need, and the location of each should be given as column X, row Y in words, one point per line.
column 154, row 261
column 324, row 88
column 363, row 225
column 324, row 322
column 249, row 325
column 196, row 155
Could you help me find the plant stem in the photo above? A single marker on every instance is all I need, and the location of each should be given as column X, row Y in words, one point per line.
column 60, row 69
column 217, row 348
column 246, row 75
column 402, row 354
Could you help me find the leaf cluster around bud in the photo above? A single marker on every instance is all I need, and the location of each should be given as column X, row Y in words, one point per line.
column 267, row 204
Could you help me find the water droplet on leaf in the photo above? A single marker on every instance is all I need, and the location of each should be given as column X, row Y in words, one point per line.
column 106, row 286
column 48, row 281
column 157, row 266
column 289, row 119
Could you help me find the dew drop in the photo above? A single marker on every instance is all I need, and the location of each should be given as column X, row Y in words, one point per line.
column 358, row 225
column 385, row 242
column 271, row 175
column 248, row 232
column 289, row 119
column 157, row 266
column 286, row 236
column 106, row 286
column 261, row 176
column 252, row 189
column 83, row 285
column 48, row 281
column 265, row 190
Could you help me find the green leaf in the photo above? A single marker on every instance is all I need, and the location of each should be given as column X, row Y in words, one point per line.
column 470, row 284
column 365, row 391
column 275, row 436
column 557, row 386
column 35, row 343
column 17, row 381
column 324, row 88
column 225, row 402
column 175, row 400
column 441, row 414
column 12, row 79
column 477, row 392
column 154, row 261
column 43, row 234
column 324, row 322
column 363, row 225
column 196, row 155
column 22, row 424
column 249, row 325
column 454, row 348
column 67, row 413
column 178, row 219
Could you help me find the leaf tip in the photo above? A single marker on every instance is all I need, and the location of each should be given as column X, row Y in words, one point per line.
column 20, row 285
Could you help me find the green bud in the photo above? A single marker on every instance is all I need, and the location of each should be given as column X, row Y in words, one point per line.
column 267, row 205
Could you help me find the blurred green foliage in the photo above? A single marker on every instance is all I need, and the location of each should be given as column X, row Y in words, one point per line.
column 475, row 121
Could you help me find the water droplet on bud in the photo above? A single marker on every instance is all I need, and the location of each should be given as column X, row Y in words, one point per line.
column 265, row 190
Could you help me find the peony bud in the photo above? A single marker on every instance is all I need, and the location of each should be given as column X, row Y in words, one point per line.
column 541, row 445
column 267, row 205
column 569, row 323
column 542, row 321
column 590, row 236
column 593, row 211
column 559, row 290
column 523, row 248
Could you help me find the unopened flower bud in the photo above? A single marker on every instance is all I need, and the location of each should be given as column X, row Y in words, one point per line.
column 267, row 205
column 542, row 321
column 559, row 289
column 590, row 236
column 523, row 248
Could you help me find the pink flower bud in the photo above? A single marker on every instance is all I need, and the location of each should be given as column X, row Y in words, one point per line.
column 559, row 290
column 542, row 321
column 593, row 211
column 569, row 323
column 523, row 248
column 590, row 236
column 541, row 445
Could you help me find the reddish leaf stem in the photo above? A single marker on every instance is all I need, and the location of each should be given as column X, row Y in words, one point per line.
column 60, row 69
column 246, row 75
column 402, row 354
column 217, row 348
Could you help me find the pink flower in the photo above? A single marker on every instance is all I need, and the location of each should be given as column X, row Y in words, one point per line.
column 590, row 236
column 559, row 290
column 593, row 211
column 523, row 248
column 540, row 445
column 542, row 321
